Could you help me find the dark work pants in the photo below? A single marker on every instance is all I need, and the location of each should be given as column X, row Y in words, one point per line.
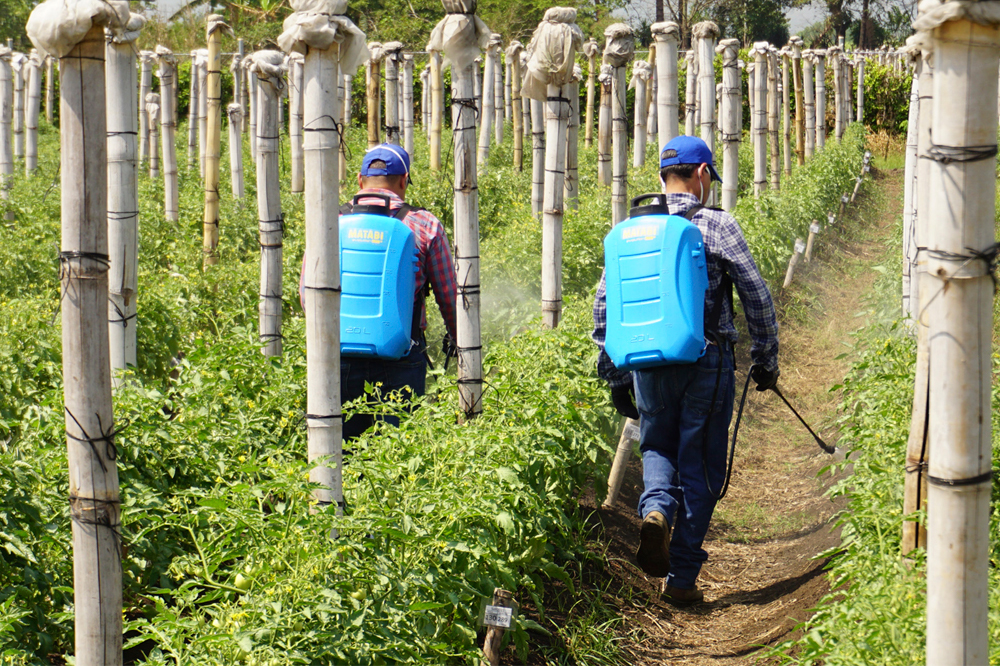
column 408, row 373
column 675, row 404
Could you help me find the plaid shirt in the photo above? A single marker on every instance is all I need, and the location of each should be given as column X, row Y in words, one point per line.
column 435, row 263
column 727, row 251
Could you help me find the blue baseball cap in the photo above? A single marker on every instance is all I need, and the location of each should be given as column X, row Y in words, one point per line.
column 688, row 150
column 397, row 161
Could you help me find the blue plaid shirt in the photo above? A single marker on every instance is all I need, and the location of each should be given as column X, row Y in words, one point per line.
column 727, row 251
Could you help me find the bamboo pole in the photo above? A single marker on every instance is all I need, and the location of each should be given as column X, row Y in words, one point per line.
column 525, row 100
column 204, row 93
column 732, row 121
column 214, row 27
column 860, row 65
column 498, row 91
column 95, row 507
column 909, row 181
column 267, row 65
column 324, row 70
column 193, row 94
column 235, row 113
column 571, row 189
column 836, row 65
column 407, row 104
column 691, row 94
column 344, row 85
column 915, row 489
column 820, row 56
column 461, row 35
column 666, row 34
column 372, row 91
column 167, row 74
column 488, row 104
column 477, row 70
column 786, row 108
column 813, row 231
column 640, row 75
column 295, row 63
column 152, row 112
column 239, row 83
column 604, row 127
column 348, row 102
column 437, row 108
column 793, row 262
column 960, row 313
column 773, row 106
column 393, row 56
column 706, row 32
column 537, row 157
column 122, row 199
column 32, row 110
column 800, row 117
column 507, row 90
column 18, row 62
column 145, row 87
column 628, row 437
column 425, row 104
column 6, row 116
column 252, row 111
column 809, row 100
column 517, row 118
column 651, row 113
column 50, row 89
column 752, row 98
column 591, row 50
column 759, row 52
column 556, row 119
column 618, row 51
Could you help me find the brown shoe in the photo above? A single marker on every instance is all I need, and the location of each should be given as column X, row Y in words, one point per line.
column 653, row 554
column 683, row 597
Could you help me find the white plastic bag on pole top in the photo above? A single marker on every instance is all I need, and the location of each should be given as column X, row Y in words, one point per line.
column 591, row 48
column 933, row 13
column 270, row 65
column 619, row 46
column 56, row 26
column 552, row 52
column 319, row 24
column 460, row 35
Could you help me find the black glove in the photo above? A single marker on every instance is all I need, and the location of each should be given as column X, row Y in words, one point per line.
column 766, row 379
column 448, row 346
column 623, row 398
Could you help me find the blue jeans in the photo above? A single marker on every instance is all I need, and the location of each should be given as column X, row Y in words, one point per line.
column 675, row 404
column 407, row 374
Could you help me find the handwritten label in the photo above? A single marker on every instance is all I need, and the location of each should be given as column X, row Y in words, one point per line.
column 800, row 246
column 631, row 432
column 498, row 616
column 814, row 228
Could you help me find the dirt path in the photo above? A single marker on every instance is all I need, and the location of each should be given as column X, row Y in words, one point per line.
column 762, row 576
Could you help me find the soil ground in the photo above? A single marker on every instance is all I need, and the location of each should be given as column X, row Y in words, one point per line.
column 765, row 570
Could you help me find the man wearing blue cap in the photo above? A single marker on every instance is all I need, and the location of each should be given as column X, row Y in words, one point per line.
column 385, row 171
column 684, row 410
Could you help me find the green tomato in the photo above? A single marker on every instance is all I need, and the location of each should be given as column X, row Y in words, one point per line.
column 359, row 594
column 242, row 584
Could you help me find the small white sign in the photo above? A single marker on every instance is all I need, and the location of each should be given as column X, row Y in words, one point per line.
column 814, row 228
column 631, row 432
column 800, row 246
column 498, row 616
column 844, row 198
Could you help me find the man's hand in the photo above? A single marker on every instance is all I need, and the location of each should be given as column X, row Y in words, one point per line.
column 766, row 379
column 448, row 346
column 623, row 398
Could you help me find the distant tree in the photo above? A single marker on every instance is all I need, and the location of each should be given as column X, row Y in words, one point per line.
column 753, row 20
column 13, row 16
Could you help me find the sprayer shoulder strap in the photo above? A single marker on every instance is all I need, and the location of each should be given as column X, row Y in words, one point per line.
column 725, row 287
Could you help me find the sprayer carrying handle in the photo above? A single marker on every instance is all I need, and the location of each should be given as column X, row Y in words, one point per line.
column 658, row 208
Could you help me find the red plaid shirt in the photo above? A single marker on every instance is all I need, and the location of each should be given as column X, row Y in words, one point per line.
column 436, row 265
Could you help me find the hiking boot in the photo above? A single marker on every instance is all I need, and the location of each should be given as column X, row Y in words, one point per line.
column 682, row 597
column 653, row 554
